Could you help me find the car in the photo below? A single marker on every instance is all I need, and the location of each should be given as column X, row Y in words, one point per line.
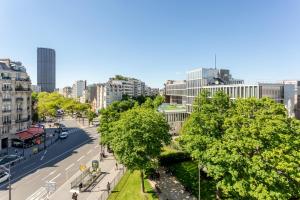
column 9, row 159
column 3, row 176
column 63, row 135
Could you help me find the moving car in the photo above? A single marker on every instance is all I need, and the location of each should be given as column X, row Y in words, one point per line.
column 3, row 176
column 63, row 135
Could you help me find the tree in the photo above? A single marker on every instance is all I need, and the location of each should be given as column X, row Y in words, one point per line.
column 158, row 101
column 249, row 146
column 138, row 137
column 91, row 115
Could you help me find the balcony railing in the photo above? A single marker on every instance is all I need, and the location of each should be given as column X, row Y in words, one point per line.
column 6, row 110
column 19, row 99
column 22, row 79
column 19, row 109
column 7, row 122
column 6, row 89
column 6, row 99
column 6, row 78
column 22, row 89
column 22, row 120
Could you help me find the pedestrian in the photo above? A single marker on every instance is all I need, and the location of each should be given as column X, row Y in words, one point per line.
column 116, row 166
column 74, row 196
column 108, row 187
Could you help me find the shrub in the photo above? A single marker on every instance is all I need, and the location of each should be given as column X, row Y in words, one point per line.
column 173, row 158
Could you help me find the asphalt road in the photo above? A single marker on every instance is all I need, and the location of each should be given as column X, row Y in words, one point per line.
column 58, row 163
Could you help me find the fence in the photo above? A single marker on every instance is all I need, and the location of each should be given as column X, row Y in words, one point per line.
column 113, row 183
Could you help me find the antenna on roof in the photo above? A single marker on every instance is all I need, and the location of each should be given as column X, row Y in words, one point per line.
column 215, row 61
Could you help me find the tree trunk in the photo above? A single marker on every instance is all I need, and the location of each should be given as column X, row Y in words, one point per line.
column 142, row 179
column 218, row 194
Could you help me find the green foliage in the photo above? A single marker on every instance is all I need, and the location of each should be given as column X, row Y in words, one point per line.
column 167, row 159
column 110, row 115
column 138, row 137
column 250, row 146
column 49, row 103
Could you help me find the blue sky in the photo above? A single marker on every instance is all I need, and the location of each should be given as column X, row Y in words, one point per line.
column 154, row 40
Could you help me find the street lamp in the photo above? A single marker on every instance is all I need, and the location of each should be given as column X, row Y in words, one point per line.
column 9, row 185
column 199, row 180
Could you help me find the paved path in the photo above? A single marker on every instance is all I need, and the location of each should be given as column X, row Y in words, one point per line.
column 171, row 188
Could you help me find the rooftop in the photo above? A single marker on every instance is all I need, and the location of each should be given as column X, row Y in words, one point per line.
column 166, row 107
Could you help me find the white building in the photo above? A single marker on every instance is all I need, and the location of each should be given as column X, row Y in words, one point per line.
column 108, row 93
column 15, row 101
column 36, row 88
column 78, row 88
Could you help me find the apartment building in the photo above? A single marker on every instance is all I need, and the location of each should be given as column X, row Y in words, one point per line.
column 108, row 93
column 175, row 92
column 15, row 100
column 78, row 88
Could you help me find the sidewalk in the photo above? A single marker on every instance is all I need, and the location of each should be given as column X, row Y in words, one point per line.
column 107, row 166
column 171, row 188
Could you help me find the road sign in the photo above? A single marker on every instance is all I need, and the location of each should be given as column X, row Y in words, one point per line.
column 50, row 186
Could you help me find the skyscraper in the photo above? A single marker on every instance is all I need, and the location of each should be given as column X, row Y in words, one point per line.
column 46, row 69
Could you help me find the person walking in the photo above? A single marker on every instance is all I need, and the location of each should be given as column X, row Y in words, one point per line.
column 74, row 196
column 116, row 166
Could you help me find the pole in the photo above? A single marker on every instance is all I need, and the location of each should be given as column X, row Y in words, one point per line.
column 9, row 194
column 199, row 181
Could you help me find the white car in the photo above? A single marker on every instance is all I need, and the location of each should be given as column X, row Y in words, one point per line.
column 3, row 176
column 63, row 135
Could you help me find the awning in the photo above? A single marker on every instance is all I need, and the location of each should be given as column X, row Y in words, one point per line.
column 30, row 133
column 24, row 135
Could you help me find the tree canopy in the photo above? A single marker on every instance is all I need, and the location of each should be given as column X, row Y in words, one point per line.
column 138, row 137
column 249, row 146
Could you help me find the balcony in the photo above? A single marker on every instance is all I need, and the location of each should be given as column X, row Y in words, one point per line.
column 19, row 109
column 6, row 99
column 23, row 120
column 6, row 89
column 18, row 88
column 23, row 79
column 5, row 78
column 6, row 122
column 6, row 110
column 19, row 99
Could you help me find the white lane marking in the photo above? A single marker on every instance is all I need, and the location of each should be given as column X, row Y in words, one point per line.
column 27, row 166
column 90, row 151
column 48, row 175
column 58, row 175
column 80, row 158
column 70, row 166
column 44, row 155
column 38, row 194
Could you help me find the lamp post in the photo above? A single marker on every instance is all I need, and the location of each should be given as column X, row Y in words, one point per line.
column 199, row 181
column 9, row 184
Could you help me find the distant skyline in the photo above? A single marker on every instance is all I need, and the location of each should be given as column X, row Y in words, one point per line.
column 154, row 40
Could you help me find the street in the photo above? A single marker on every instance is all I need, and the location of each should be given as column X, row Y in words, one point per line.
column 57, row 163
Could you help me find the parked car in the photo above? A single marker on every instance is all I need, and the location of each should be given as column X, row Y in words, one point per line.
column 3, row 176
column 9, row 159
column 63, row 135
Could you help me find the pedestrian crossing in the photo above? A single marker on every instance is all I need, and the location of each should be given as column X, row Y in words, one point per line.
column 73, row 130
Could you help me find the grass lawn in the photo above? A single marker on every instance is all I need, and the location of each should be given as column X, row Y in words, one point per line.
column 129, row 188
column 187, row 174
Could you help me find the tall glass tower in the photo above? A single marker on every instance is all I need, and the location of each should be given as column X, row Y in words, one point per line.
column 46, row 69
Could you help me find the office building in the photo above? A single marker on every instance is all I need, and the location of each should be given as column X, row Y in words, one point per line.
column 15, row 100
column 46, row 66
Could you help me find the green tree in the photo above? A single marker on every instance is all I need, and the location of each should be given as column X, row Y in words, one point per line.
column 249, row 146
column 91, row 115
column 138, row 137
column 158, row 101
